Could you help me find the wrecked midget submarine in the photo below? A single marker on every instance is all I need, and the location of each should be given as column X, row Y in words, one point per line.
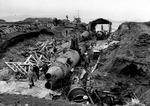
column 63, row 65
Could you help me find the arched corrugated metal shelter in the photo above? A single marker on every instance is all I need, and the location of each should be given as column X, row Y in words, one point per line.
column 100, row 21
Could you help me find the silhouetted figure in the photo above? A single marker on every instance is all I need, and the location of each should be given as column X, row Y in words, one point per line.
column 36, row 71
column 55, row 21
column 74, row 44
column 31, row 77
column 67, row 17
column 87, row 60
column 44, row 68
column 66, row 33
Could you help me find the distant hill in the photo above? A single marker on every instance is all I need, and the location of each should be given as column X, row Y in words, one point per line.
column 43, row 20
column 2, row 21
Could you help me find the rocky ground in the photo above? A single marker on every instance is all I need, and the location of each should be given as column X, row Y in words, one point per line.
column 123, row 68
column 20, row 100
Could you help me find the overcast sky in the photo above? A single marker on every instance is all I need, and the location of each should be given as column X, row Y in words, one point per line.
column 129, row 10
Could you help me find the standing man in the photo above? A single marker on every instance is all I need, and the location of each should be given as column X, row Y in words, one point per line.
column 31, row 77
column 74, row 43
column 44, row 68
column 36, row 71
column 67, row 17
column 87, row 60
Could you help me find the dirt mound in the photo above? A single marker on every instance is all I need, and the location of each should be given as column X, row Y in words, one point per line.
column 133, row 48
column 129, row 60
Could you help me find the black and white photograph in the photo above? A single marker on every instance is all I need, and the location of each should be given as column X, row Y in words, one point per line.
column 74, row 52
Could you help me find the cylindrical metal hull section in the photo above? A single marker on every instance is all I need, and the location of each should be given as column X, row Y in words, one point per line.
column 77, row 93
column 62, row 66
column 54, row 71
column 72, row 54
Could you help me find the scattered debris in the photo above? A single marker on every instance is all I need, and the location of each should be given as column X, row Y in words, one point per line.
column 81, row 68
